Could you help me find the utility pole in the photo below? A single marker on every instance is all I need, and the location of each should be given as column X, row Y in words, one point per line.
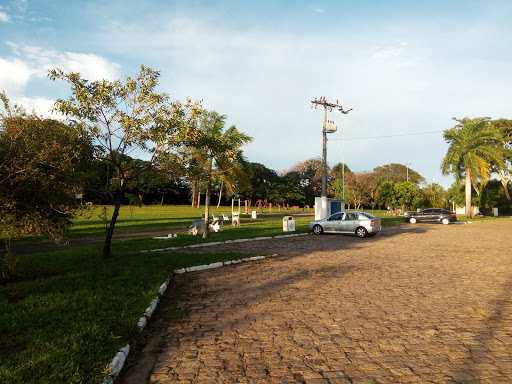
column 328, row 127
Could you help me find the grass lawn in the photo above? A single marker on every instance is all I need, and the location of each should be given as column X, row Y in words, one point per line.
column 65, row 314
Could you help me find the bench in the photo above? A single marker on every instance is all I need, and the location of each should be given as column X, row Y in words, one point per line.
column 196, row 228
column 217, row 223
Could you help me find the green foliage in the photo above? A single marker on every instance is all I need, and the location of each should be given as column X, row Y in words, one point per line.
column 406, row 194
column 309, row 175
column 386, row 194
column 43, row 165
column 399, row 195
column 397, row 173
column 474, row 146
column 126, row 117
column 214, row 151
column 262, row 182
column 287, row 191
column 433, row 195
column 493, row 195
column 337, row 170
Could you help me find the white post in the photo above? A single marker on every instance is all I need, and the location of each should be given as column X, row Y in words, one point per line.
column 325, row 211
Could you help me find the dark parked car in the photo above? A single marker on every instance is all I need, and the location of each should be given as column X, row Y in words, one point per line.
column 436, row 215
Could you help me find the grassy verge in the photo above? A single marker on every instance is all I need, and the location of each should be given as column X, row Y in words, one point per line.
column 152, row 217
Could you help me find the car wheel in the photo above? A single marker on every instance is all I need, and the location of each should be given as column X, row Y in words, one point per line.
column 412, row 220
column 318, row 230
column 445, row 221
column 361, row 232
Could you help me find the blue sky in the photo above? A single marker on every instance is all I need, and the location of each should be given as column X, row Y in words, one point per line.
column 405, row 67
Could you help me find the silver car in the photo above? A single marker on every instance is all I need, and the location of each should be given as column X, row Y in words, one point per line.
column 361, row 223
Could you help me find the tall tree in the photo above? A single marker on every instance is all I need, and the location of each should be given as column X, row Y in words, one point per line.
column 43, row 165
column 406, row 195
column 359, row 187
column 126, row 117
column 386, row 194
column 286, row 190
column 474, row 145
column 434, row 196
column 262, row 182
column 217, row 151
column 232, row 179
column 397, row 173
column 310, row 178
column 504, row 172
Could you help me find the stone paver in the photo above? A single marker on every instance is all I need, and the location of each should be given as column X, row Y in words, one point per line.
column 415, row 304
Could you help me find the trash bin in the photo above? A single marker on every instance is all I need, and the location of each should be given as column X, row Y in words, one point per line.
column 235, row 220
column 288, row 224
column 253, row 214
column 495, row 211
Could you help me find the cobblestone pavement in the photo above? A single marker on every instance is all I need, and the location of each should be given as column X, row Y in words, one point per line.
column 415, row 304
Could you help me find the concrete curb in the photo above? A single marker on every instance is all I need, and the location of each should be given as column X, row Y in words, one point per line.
column 117, row 364
column 118, row 361
column 223, row 242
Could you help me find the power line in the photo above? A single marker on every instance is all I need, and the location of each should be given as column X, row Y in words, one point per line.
column 382, row 137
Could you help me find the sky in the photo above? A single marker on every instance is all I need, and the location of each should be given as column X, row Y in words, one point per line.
column 406, row 68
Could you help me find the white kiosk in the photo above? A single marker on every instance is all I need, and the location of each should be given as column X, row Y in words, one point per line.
column 333, row 206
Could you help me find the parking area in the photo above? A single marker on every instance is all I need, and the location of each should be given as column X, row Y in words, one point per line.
column 415, row 304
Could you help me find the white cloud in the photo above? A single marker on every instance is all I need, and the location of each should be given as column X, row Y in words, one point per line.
column 396, row 55
column 42, row 106
column 4, row 17
column 317, row 11
column 14, row 75
column 389, row 51
column 29, row 63
column 90, row 66
column 21, row 5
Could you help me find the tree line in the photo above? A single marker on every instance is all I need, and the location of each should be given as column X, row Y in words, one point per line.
column 122, row 142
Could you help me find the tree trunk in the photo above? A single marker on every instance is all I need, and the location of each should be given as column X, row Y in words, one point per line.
column 505, row 187
column 198, row 201
column 504, row 183
column 110, row 228
column 220, row 195
column 195, row 188
column 468, row 193
column 162, row 201
column 206, row 231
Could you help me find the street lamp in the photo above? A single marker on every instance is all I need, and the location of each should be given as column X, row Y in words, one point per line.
column 407, row 169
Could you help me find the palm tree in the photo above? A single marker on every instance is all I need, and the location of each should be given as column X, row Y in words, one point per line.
column 217, row 152
column 473, row 146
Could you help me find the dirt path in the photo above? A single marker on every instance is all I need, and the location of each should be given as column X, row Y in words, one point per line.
column 415, row 304
column 47, row 246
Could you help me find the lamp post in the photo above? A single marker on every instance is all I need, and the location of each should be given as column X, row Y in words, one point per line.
column 407, row 169
column 328, row 127
column 343, row 157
